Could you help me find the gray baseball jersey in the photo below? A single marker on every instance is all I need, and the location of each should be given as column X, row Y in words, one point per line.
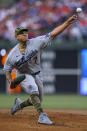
column 29, row 63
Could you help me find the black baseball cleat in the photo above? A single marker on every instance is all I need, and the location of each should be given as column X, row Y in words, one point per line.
column 16, row 106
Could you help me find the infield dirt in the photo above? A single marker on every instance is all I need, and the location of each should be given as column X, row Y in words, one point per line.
column 64, row 120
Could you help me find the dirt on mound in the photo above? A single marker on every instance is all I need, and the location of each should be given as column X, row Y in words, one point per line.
column 27, row 121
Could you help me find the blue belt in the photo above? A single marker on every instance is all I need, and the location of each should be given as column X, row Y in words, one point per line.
column 36, row 73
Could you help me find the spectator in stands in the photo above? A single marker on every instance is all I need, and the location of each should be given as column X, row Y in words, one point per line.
column 38, row 15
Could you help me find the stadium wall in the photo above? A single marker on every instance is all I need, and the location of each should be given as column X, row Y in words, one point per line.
column 61, row 71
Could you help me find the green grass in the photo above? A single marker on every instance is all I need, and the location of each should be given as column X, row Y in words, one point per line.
column 49, row 101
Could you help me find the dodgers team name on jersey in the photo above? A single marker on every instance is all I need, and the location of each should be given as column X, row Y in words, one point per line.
column 24, row 59
column 30, row 62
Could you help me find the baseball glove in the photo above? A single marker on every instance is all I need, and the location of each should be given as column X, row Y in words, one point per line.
column 17, row 81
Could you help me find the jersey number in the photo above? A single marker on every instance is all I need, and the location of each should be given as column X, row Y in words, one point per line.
column 35, row 59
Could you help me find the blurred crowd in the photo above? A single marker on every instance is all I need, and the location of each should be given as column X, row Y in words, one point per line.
column 41, row 16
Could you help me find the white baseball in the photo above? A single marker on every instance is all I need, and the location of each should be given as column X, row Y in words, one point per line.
column 78, row 10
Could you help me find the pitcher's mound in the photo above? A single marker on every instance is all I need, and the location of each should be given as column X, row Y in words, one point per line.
column 27, row 121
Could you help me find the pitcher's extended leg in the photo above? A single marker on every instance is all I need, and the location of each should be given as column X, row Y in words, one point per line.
column 26, row 103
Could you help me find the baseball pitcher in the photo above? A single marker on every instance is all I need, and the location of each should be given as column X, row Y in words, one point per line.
column 25, row 57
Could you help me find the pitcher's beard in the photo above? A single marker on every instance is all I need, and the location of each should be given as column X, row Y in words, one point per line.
column 22, row 46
